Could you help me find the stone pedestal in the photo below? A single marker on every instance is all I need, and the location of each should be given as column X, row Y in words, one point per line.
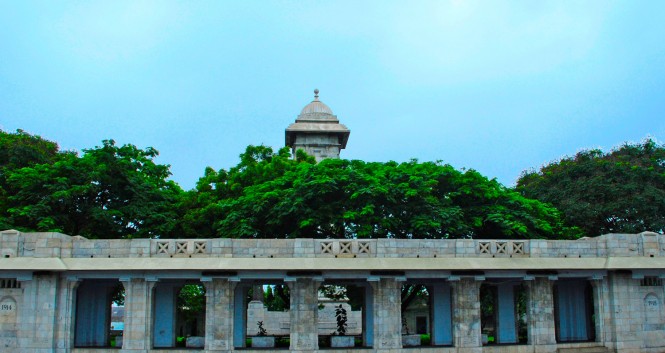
column 219, row 314
column 304, row 314
column 263, row 342
column 341, row 341
column 195, row 342
column 411, row 340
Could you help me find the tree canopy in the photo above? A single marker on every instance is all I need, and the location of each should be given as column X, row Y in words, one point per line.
column 619, row 191
column 115, row 191
column 108, row 192
column 269, row 195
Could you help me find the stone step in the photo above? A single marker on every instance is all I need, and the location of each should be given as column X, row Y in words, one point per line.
column 594, row 349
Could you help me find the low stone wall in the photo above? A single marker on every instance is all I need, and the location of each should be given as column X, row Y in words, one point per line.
column 41, row 245
column 277, row 323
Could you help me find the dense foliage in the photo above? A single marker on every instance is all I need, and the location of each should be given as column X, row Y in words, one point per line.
column 269, row 195
column 619, row 191
column 108, row 192
column 191, row 301
column 115, row 191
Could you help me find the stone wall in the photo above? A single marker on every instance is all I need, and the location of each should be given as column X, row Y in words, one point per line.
column 277, row 323
column 40, row 274
column 42, row 245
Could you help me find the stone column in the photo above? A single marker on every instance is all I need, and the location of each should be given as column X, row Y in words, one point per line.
column 387, row 313
column 137, row 334
column 304, row 314
column 466, row 316
column 540, row 315
column 66, row 309
column 37, row 317
column 219, row 314
column 627, row 320
column 600, row 302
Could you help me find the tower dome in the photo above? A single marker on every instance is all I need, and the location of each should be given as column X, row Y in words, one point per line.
column 316, row 106
column 317, row 131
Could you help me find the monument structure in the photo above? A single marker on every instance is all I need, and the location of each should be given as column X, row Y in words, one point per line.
column 317, row 131
column 602, row 294
column 592, row 295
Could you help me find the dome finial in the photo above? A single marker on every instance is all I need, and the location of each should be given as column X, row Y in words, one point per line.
column 316, row 94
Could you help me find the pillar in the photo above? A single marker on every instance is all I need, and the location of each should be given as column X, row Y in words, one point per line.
column 625, row 327
column 137, row 334
column 66, row 310
column 38, row 315
column 507, row 325
column 466, row 315
column 387, row 313
column 441, row 326
column 219, row 314
column 304, row 314
column 599, row 305
column 540, row 315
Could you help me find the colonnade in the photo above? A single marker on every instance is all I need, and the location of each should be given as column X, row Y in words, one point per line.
column 455, row 312
column 602, row 294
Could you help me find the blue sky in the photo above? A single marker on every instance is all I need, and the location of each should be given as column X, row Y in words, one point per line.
column 497, row 86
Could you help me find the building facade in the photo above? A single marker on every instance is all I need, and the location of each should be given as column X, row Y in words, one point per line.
column 602, row 294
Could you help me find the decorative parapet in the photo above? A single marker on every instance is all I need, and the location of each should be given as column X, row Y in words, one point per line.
column 55, row 245
column 345, row 248
column 173, row 247
column 507, row 248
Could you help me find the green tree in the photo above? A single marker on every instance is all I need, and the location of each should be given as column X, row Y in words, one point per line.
column 354, row 199
column 191, row 301
column 615, row 192
column 109, row 192
column 277, row 297
column 202, row 208
column 19, row 150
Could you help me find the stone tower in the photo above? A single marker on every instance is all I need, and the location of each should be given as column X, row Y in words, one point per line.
column 317, row 131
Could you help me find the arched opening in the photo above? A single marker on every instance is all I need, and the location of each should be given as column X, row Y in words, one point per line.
column 179, row 314
column 262, row 317
column 96, row 300
column 574, row 311
column 344, row 317
column 426, row 311
column 503, row 311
